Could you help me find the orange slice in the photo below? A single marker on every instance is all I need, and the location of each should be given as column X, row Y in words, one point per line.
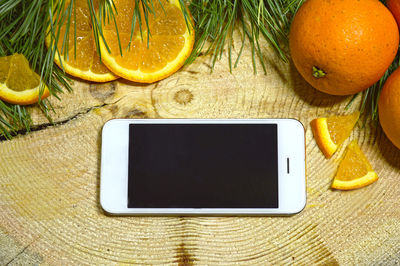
column 354, row 171
column 19, row 84
column 331, row 132
column 169, row 44
column 81, row 61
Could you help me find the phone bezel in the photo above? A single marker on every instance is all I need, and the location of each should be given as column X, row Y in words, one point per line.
column 114, row 168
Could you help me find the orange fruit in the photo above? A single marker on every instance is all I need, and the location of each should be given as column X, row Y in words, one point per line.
column 19, row 84
column 389, row 108
column 354, row 170
column 170, row 42
column 86, row 64
column 343, row 47
column 331, row 132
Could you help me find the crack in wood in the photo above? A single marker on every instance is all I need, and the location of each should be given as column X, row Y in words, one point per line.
column 58, row 123
column 17, row 255
column 20, row 253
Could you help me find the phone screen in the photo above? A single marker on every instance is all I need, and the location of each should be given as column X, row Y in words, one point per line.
column 203, row 166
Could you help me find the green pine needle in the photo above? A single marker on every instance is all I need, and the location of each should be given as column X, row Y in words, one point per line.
column 23, row 27
column 216, row 20
column 25, row 24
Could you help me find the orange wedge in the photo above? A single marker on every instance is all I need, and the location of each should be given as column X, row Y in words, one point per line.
column 19, row 84
column 81, row 61
column 331, row 132
column 147, row 60
column 354, row 171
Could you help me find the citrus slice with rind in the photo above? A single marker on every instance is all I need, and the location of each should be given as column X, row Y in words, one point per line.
column 331, row 132
column 157, row 52
column 81, row 60
column 19, row 84
column 354, row 170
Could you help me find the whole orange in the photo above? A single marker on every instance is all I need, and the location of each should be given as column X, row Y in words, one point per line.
column 342, row 47
column 389, row 108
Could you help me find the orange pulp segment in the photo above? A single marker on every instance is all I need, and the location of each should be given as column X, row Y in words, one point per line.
column 19, row 84
column 82, row 60
column 331, row 132
column 147, row 58
column 354, row 170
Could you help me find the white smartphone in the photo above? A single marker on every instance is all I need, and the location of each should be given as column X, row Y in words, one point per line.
column 203, row 167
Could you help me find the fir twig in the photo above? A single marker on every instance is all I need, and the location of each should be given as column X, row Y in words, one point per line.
column 23, row 27
column 215, row 21
column 25, row 24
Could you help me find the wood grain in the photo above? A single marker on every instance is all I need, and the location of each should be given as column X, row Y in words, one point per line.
column 49, row 180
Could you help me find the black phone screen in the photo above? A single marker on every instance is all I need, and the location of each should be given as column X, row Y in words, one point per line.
column 203, row 166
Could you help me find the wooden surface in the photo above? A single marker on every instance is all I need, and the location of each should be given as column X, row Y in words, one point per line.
column 49, row 180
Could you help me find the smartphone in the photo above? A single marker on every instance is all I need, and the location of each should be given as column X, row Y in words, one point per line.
column 203, row 167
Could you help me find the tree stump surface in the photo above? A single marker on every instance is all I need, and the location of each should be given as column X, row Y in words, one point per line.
column 49, row 180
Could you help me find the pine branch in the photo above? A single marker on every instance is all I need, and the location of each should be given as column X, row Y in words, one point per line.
column 24, row 27
column 25, row 24
column 216, row 20
column 21, row 27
